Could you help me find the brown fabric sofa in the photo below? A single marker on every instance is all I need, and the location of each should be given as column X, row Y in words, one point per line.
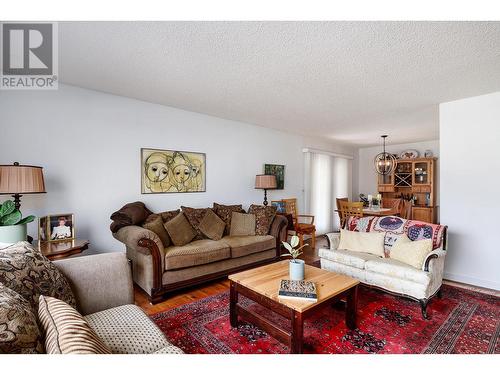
column 158, row 270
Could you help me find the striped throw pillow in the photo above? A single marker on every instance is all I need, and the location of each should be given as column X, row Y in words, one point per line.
column 66, row 331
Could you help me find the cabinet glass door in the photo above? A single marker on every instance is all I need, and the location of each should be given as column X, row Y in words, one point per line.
column 421, row 172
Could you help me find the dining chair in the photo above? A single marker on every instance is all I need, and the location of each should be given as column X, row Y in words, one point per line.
column 301, row 228
column 406, row 209
column 394, row 203
column 338, row 200
column 348, row 209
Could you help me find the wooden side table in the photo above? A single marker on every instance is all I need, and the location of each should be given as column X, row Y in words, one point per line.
column 61, row 249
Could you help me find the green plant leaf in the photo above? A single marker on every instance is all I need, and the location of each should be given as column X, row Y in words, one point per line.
column 27, row 219
column 294, row 241
column 12, row 218
column 287, row 246
column 7, row 207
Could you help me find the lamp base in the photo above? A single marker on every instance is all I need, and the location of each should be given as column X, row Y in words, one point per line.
column 265, row 203
column 17, row 201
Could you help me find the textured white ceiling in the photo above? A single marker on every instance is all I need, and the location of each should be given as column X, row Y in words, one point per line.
column 345, row 81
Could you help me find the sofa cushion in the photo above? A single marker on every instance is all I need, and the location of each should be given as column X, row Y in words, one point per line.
column 179, row 230
column 264, row 216
column 168, row 215
column 411, row 252
column 212, row 226
column 19, row 332
column 127, row 329
column 195, row 216
column 225, row 212
column 154, row 223
column 66, row 332
column 242, row 224
column 196, row 253
column 26, row 271
column 349, row 258
column 245, row 245
column 372, row 243
column 395, row 268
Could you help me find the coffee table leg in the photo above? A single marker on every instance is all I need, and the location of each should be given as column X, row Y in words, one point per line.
column 351, row 307
column 233, row 300
column 297, row 333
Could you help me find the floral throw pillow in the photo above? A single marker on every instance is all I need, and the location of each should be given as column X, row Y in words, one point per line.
column 194, row 217
column 264, row 216
column 19, row 332
column 225, row 212
column 26, row 271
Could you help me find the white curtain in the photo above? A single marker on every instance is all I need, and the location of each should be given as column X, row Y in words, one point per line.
column 327, row 177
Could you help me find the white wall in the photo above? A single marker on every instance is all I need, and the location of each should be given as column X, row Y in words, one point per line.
column 470, row 180
column 89, row 145
column 366, row 182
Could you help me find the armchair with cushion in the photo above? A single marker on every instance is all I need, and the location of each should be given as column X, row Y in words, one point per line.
column 103, row 288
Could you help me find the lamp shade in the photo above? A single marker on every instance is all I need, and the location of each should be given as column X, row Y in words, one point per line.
column 265, row 181
column 21, row 179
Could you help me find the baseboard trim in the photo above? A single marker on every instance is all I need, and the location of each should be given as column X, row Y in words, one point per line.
column 472, row 281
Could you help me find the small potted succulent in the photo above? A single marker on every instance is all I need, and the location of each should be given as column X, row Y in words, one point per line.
column 12, row 224
column 296, row 265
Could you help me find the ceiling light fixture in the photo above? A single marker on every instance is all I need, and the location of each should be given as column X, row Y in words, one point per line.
column 384, row 162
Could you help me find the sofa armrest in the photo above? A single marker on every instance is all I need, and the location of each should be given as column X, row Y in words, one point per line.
column 279, row 231
column 146, row 242
column 435, row 254
column 333, row 240
column 99, row 282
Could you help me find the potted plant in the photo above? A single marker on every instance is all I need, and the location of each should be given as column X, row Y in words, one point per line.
column 12, row 225
column 296, row 265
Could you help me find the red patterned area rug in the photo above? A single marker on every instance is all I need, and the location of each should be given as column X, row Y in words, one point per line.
column 461, row 321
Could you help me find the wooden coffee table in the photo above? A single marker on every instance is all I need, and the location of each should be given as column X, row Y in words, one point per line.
column 261, row 285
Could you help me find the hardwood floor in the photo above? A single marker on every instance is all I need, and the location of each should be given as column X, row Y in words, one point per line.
column 204, row 290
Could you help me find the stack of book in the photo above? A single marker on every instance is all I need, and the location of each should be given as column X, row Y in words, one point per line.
column 298, row 289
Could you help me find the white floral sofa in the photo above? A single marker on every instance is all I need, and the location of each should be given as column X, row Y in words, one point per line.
column 386, row 273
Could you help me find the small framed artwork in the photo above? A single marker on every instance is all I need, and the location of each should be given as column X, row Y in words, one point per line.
column 280, row 206
column 43, row 229
column 278, row 171
column 61, row 227
column 170, row 171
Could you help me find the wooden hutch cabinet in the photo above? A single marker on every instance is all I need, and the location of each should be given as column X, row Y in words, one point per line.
column 413, row 178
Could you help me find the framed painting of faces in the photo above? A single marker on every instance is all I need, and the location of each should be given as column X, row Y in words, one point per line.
column 168, row 171
column 60, row 227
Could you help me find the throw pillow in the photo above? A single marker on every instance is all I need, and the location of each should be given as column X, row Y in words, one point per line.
column 130, row 214
column 242, row 224
column 225, row 212
column 154, row 223
column 264, row 216
column 66, row 331
column 26, row 271
column 180, row 231
column 365, row 242
column 194, row 216
column 168, row 215
column 212, row 226
column 411, row 252
column 19, row 332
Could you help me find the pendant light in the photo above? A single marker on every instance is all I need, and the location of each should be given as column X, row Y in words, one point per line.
column 384, row 162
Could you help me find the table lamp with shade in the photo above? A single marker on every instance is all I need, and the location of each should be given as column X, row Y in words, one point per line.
column 17, row 180
column 265, row 181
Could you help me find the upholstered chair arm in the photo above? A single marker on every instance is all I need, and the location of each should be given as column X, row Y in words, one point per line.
column 333, row 240
column 99, row 282
column 278, row 230
column 431, row 262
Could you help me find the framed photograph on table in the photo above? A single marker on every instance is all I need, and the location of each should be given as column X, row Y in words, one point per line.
column 43, row 228
column 61, row 227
